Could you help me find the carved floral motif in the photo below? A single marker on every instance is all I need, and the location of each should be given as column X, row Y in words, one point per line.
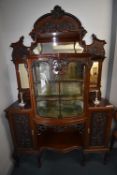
column 57, row 21
column 98, row 128
column 42, row 128
column 22, row 131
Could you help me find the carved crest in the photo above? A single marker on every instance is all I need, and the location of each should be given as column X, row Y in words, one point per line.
column 97, row 47
column 57, row 12
column 19, row 50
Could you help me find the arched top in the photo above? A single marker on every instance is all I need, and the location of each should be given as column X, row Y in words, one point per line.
column 62, row 26
column 57, row 21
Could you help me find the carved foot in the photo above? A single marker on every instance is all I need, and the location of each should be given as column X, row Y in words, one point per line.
column 39, row 158
column 112, row 143
column 83, row 158
column 106, row 158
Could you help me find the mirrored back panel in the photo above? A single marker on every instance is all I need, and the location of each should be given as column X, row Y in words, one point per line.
column 55, row 47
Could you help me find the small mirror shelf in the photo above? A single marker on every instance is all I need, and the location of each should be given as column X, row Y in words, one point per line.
column 64, row 47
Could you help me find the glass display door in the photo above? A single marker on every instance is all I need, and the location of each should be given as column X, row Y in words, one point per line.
column 59, row 87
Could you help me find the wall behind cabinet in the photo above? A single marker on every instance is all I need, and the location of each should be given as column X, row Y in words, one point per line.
column 5, row 99
column 113, row 91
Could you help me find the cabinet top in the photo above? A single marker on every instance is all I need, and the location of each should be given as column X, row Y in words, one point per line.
column 104, row 104
column 59, row 26
column 16, row 108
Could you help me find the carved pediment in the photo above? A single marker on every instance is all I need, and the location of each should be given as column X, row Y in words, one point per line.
column 67, row 28
column 57, row 21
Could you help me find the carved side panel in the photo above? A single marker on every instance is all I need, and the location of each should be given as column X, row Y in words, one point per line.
column 98, row 125
column 22, row 130
column 42, row 128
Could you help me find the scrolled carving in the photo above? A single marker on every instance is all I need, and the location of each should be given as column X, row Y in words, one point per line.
column 51, row 27
column 43, row 128
column 97, row 47
column 19, row 50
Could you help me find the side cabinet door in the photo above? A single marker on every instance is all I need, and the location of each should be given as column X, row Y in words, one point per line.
column 100, row 125
column 21, row 130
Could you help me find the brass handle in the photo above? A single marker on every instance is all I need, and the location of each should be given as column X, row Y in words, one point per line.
column 32, row 132
column 88, row 130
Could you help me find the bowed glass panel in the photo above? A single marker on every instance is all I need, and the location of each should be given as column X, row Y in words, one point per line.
column 59, row 87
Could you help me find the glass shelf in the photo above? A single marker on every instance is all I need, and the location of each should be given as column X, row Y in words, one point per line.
column 71, row 108
column 62, row 81
column 47, row 109
column 61, row 88
column 56, row 97
column 60, row 108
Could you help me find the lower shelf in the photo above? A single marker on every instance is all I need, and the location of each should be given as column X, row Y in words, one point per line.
column 62, row 141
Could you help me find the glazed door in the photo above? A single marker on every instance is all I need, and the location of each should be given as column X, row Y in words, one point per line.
column 59, row 87
column 46, row 88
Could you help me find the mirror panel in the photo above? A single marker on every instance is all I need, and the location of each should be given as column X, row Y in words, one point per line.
column 94, row 73
column 23, row 76
column 64, row 47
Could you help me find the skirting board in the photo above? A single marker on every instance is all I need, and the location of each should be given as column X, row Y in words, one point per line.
column 8, row 169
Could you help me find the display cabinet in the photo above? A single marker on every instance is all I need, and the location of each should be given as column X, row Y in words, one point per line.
column 59, row 103
column 59, row 84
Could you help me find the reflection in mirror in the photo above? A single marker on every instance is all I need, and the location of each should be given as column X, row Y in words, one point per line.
column 64, row 47
column 37, row 50
column 68, row 48
column 23, row 76
column 71, row 107
column 94, row 73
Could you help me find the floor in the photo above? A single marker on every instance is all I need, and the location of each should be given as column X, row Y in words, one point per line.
column 67, row 164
